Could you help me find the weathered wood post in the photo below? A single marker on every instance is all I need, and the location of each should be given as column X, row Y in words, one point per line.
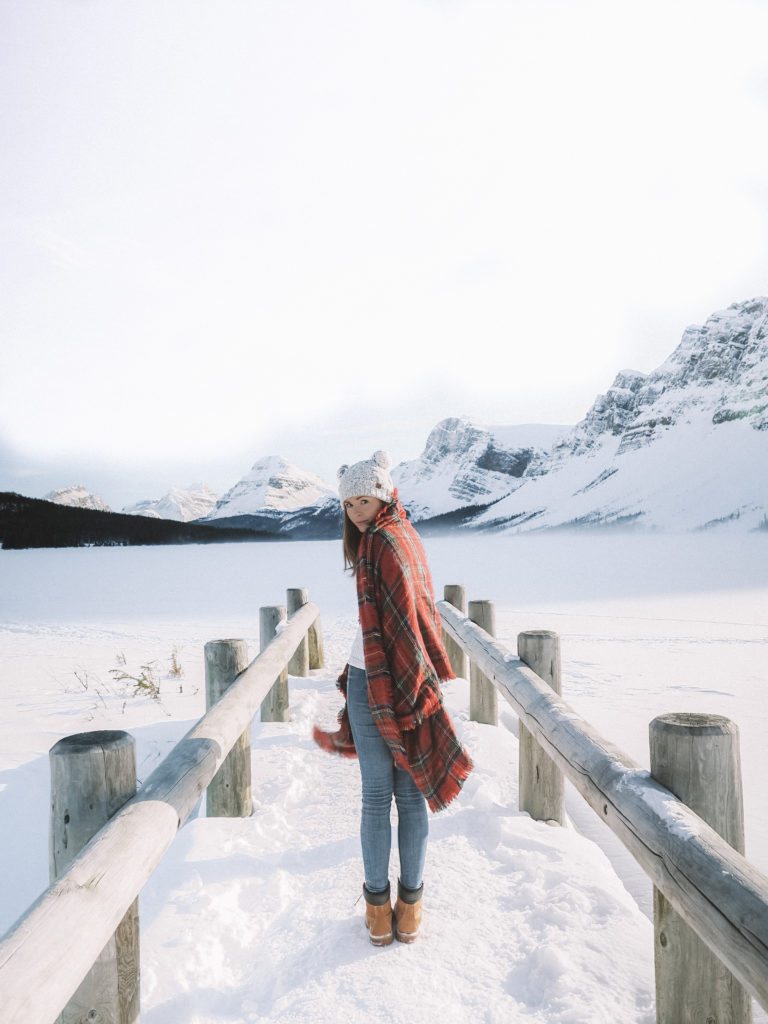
column 315, row 644
column 275, row 706
column 483, row 703
column 229, row 791
column 316, row 651
column 299, row 663
column 456, row 595
column 697, row 758
column 92, row 775
column 541, row 785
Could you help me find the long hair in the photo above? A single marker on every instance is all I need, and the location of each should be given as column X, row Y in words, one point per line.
column 350, row 535
column 350, row 538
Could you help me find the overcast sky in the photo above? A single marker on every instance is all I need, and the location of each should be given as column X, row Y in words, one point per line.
column 313, row 229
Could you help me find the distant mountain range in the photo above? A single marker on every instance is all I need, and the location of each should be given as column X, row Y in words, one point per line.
column 181, row 504
column 684, row 447
column 38, row 523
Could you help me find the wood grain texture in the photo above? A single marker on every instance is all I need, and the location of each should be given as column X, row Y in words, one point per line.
column 92, row 776
column 229, row 791
column 276, row 705
column 697, row 757
column 456, row 595
column 315, row 642
column 40, row 965
column 714, row 888
column 298, row 665
column 483, row 702
column 541, row 790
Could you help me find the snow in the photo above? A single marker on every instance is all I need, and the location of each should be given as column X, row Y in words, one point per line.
column 690, row 477
column 535, row 435
column 267, row 907
column 180, row 503
column 677, row 449
column 78, row 496
column 256, row 919
column 665, row 806
column 272, row 483
column 447, row 474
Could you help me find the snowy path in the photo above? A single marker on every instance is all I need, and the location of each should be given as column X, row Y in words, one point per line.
column 256, row 920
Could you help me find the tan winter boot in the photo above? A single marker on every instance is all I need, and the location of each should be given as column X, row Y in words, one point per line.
column 378, row 916
column 408, row 912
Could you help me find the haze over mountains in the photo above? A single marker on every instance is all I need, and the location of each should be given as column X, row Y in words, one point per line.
column 683, row 447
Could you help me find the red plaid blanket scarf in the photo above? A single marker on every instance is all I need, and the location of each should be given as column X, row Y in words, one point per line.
column 405, row 661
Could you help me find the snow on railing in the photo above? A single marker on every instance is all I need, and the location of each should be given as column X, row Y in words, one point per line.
column 75, row 950
column 702, row 880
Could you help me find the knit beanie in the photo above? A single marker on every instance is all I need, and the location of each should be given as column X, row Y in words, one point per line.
column 368, row 477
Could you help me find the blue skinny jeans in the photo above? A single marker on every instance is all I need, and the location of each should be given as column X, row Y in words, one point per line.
column 381, row 779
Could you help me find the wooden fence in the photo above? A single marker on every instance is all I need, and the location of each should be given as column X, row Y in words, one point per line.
column 73, row 955
column 710, row 903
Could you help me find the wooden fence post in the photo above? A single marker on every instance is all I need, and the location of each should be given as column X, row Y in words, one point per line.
column 275, row 706
column 456, row 595
column 483, row 703
column 92, row 775
column 299, row 663
column 541, row 785
column 697, row 758
column 229, row 791
column 315, row 644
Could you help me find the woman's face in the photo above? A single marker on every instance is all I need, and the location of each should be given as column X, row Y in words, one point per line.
column 362, row 510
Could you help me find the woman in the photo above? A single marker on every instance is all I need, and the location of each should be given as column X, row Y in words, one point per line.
column 393, row 720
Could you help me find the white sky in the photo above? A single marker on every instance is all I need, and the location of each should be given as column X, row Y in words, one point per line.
column 259, row 227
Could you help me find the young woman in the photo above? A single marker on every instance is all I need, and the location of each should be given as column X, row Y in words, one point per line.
column 393, row 719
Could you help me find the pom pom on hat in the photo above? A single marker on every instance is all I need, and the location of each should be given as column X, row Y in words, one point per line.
column 368, row 477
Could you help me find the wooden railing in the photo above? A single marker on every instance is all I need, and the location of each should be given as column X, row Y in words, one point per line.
column 73, row 955
column 75, row 951
column 704, row 888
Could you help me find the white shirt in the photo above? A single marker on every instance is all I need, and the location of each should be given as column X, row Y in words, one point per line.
column 356, row 655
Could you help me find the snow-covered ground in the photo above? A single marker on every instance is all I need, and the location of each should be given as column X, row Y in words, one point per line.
column 256, row 919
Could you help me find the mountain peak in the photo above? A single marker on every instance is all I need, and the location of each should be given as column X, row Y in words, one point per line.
column 77, row 496
column 465, row 463
column 272, row 464
column 184, row 504
column 273, row 484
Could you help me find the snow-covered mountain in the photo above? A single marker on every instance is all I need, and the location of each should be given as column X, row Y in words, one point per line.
column 684, row 447
column 78, row 497
column 181, row 503
column 273, row 485
column 468, row 464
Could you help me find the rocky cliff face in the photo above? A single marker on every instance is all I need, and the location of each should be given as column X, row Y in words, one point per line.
column 676, row 448
column 464, row 463
column 720, row 368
